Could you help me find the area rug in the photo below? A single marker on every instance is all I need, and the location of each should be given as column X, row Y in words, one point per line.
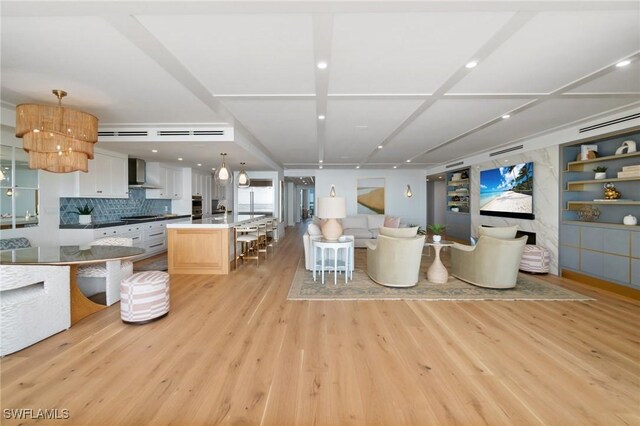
column 363, row 288
column 157, row 265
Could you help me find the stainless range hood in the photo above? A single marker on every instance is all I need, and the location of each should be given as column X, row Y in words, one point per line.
column 137, row 174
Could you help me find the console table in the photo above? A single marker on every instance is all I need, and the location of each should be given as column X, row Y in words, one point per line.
column 339, row 263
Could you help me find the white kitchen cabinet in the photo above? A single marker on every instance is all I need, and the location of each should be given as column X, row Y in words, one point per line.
column 151, row 236
column 106, row 178
column 168, row 178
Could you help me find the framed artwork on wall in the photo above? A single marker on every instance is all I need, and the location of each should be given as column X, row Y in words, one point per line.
column 371, row 196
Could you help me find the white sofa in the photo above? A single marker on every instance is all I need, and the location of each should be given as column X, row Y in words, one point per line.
column 362, row 227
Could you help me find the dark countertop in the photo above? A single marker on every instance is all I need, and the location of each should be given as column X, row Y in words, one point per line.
column 97, row 225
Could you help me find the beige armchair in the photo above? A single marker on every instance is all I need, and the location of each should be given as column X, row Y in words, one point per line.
column 393, row 261
column 491, row 263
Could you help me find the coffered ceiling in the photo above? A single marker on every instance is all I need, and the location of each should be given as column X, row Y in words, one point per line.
column 396, row 74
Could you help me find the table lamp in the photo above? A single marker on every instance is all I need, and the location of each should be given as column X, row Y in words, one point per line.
column 332, row 208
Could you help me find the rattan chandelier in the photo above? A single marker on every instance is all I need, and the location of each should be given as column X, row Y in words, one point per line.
column 58, row 139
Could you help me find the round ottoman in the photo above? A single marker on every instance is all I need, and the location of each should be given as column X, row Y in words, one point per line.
column 535, row 259
column 144, row 297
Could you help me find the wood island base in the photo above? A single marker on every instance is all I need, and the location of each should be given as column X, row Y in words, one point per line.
column 198, row 251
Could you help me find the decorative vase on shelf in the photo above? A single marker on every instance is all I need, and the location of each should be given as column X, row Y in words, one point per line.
column 437, row 238
column 601, row 175
column 84, row 219
column 630, row 220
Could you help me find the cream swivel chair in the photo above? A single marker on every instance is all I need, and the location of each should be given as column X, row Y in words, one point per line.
column 394, row 259
column 492, row 262
column 96, row 278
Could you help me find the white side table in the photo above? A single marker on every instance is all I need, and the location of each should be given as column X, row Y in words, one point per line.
column 437, row 273
column 340, row 263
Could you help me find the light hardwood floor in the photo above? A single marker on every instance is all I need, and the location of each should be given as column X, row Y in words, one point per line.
column 233, row 350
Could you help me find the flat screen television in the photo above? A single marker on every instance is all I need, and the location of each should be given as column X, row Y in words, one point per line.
column 507, row 191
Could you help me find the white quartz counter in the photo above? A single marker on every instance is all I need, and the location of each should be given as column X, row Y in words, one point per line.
column 216, row 222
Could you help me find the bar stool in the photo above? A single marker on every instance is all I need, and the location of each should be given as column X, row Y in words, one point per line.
column 262, row 238
column 272, row 231
column 247, row 236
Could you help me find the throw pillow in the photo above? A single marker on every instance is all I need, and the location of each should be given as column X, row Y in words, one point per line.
column 399, row 232
column 314, row 230
column 391, row 222
column 503, row 232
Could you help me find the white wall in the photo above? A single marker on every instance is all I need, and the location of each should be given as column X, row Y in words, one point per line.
column 410, row 210
column 439, row 202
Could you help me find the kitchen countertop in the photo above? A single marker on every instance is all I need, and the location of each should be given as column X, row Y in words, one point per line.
column 97, row 225
column 216, row 222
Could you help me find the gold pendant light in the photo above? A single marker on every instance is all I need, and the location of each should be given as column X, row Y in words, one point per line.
column 58, row 139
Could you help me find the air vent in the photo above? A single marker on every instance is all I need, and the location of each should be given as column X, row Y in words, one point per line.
column 168, row 133
column 503, row 151
column 174, row 133
column 609, row 123
column 459, row 163
column 133, row 133
column 208, row 132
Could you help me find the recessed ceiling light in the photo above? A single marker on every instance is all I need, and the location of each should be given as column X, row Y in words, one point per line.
column 180, row 159
column 357, row 167
column 322, row 65
column 379, row 146
column 154, row 150
column 623, row 63
column 199, row 165
column 504, row 117
column 320, row 166
column 322, row 161
column 213, row 168
column 471, row 64
column 506, row 161
column 321, row 117
column 395, row 167
column 408, row 161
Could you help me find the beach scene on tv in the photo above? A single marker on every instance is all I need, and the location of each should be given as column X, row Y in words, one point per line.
column 507, row 189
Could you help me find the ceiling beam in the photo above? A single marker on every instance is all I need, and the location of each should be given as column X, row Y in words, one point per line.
column 101, row 8
column 322, row 37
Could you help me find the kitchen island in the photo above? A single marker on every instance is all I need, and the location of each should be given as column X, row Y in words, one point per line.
column 203, row 246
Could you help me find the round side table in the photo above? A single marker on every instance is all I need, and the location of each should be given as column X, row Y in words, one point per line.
column 437, row 273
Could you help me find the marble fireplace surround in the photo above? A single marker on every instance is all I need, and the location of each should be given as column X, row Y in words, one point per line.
column 546, row 203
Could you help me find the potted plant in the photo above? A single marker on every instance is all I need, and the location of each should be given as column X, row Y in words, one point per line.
column 601, row 172
column 84, row 214
column 437, row 229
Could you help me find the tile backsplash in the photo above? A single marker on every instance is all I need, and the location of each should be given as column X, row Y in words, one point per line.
column 112, row 209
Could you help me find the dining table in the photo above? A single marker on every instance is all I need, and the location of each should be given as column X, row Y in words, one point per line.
column 72, row 256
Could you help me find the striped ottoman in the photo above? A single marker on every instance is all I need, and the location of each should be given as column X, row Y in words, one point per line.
column 535, row 259
column 144, row 297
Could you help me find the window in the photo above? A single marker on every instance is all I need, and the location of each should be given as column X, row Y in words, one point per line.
column 18, row 190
